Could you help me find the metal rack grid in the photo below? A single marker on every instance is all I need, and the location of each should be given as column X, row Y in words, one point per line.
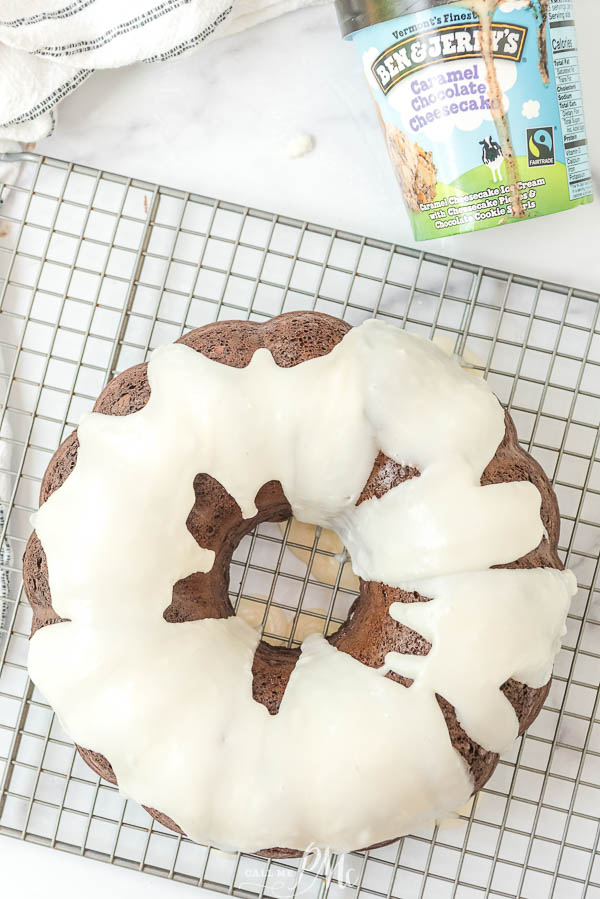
column 95, row 271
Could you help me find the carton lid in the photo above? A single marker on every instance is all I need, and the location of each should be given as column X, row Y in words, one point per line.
column 356, row 14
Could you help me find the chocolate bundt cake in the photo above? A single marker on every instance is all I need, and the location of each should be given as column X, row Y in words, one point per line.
column 351, row 740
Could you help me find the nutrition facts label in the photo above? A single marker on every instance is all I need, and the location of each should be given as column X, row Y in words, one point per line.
column 563, row 45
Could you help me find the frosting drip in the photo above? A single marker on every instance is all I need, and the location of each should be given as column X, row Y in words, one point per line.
column 155, row 697
column 485, row 628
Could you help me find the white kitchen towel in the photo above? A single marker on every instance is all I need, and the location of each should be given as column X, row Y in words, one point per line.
column 49, row 47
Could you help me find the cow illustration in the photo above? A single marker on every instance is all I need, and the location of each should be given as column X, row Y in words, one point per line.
column 492, row 156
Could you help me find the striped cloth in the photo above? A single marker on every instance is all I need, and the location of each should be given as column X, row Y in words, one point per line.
column 49, row 47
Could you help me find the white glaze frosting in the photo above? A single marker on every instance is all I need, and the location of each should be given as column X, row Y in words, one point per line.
column 170, row 705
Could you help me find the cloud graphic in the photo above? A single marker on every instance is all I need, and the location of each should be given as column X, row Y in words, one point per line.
column 531, row 109
column 513, row 5
column 368, row 58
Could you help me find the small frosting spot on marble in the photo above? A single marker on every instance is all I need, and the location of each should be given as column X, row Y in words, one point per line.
column 299, row 145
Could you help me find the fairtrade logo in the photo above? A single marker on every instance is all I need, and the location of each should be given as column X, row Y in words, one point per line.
column 540, row 146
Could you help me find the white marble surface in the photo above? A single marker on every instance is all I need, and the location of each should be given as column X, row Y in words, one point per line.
column 218, row 123
column 33, row 872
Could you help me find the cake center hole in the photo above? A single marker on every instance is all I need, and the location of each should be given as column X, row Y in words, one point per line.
column 290, row 579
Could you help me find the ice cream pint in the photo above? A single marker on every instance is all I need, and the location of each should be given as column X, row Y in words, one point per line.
column 480, row 103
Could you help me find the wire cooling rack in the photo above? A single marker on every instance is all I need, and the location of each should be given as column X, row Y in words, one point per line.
column 95, row 271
